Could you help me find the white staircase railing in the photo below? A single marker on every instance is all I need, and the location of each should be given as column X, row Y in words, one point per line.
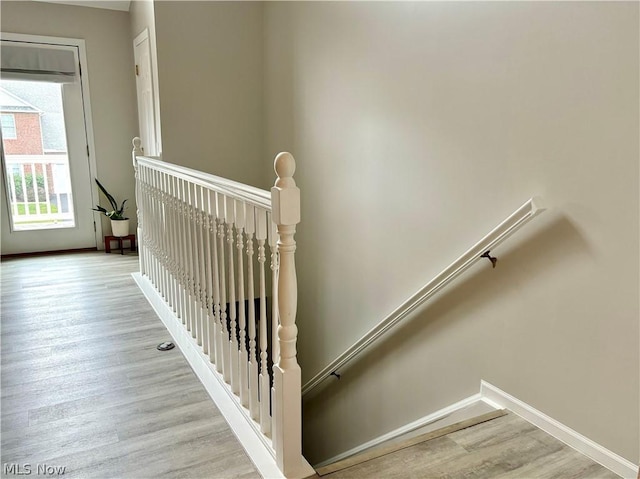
column 201, row 241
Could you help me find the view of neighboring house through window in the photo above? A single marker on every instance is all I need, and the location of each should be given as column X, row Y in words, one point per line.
column 8, row 127
column 35, row 154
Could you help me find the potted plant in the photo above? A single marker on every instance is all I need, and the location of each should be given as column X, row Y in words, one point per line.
column 119, row 222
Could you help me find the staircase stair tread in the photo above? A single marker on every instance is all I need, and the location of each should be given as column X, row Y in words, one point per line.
column 396, row 445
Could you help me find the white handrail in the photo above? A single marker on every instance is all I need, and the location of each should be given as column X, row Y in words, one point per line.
column 238, row 191
column 518, row 218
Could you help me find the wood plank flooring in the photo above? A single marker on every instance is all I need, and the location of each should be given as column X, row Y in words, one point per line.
column 83, row 386
column 507, row 447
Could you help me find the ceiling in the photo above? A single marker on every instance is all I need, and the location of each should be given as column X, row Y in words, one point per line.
column 122, row 5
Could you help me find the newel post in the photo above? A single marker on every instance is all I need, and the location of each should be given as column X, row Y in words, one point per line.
column 287, row 434
column 137, row 151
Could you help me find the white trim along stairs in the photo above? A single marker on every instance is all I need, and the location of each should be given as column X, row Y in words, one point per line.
column 491, row 398
column 500, row 399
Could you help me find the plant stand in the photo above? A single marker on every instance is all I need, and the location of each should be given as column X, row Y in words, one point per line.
column 108, row 239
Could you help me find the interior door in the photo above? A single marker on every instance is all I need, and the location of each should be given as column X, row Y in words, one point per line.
column 144, row 87
column 47, row 191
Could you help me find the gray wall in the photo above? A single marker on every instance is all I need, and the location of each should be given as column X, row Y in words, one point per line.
column 111, row 80
column 417, row 128
column 210, row 79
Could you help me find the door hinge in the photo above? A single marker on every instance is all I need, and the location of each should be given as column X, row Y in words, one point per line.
column 88, row 150
column 137, row 71
column 95, row 228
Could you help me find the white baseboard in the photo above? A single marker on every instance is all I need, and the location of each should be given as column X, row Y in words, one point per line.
column 462, row 410
column 500, row 399
column 220, row 392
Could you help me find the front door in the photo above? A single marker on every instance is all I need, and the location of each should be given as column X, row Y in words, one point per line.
column 47, row 187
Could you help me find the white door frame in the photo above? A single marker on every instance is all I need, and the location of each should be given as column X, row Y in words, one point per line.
column 152, row 148
column 86, row 103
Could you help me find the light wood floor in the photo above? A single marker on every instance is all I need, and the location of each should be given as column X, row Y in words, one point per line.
column 504, row 448
column 84, row 387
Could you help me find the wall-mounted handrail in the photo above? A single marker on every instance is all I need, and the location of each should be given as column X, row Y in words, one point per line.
column 522, row 215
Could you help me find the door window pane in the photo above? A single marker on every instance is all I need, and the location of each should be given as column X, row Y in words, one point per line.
column 36, row 158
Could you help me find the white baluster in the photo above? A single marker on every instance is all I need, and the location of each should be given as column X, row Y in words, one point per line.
column 233, row 325
column 275, row 264
column 138, row 195
column 285, row 200
column 158, row 231
column 203, row 257
column 275, row 346
column 197, row 326
column 143, row 230
column 264, row 378
column 152, row 227
column 164, row 237
column 191, row 319
column 243, row 356
column 143, row 174
column 184, row 248
column 173, row 233
column 175, row 240
column 203, row 328
column 159, row 238
column 209, row 259
column 226, row 365
column 148, row 231
column 168, row 252
column 184, row 219
column 218, row 279
column 250, row 227
column 187, row 254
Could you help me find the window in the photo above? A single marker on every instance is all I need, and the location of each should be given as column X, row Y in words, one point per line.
column 9, row 127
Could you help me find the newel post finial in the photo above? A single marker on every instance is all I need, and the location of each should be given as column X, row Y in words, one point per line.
column 137, row 150
column 287, row 434
column 285, row 166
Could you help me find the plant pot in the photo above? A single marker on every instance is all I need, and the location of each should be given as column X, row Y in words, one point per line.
column 120, row 228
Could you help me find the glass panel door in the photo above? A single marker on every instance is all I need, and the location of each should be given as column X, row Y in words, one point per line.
column 46, row 191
